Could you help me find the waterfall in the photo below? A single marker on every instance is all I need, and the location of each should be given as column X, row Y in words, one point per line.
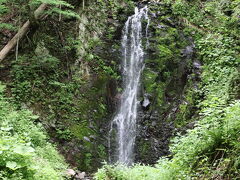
column 124, row 123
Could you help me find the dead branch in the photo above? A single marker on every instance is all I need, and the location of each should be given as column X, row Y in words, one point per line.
column 22, row 31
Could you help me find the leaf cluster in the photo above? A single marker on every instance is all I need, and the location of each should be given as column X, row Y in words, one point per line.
column 24, row 150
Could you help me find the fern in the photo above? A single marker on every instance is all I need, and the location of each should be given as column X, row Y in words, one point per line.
column 67, row 13
column 3, row 10
column 59, row 7
column 53, row 2
column 7, row 26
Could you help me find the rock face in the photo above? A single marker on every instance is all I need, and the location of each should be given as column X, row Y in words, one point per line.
column 171, row 69
column 153, row 139
column 168, row 82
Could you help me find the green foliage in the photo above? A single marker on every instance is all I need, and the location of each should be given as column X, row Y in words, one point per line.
column 195, row 150
column 102, row 151
column 3, row 11
column 138, row 172
column 58, row 6
column 20, row 11
column 47, row 78
column 186, row 108
column 3, row 8
column 212, row 148
column 164, row 65
column 100, row 66
column 65, row 105
column 54, row 2
column 7, row 26
column 24, row 150
column 31, row 68
column 149, row 80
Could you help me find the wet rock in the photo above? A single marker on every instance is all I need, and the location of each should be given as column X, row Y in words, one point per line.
column 80, row 175
column 154, row 123
column 70, row 172
column 188, row 51
column 197, row 65
column 161, row 26
column 153, row 137
column 146, row 103
column 169, row 22
column 153, row 14
column 190, row 125
column 76, row 175
column 86, row 139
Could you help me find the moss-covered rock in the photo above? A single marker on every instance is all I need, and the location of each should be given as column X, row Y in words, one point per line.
column 167, row 82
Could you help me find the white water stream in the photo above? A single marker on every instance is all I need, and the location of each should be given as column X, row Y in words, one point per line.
column 124, row 123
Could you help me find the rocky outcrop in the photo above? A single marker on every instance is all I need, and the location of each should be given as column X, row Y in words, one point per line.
column 171, row 70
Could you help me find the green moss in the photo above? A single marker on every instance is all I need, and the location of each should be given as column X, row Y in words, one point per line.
column 66, row 106
column 162, row 75
column 160, row 92
column 144, row 149
column 149, row 80
column 187, row 108
column 164, row 52
column 80, row 130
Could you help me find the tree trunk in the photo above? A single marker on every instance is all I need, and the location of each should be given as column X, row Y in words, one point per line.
column 22, row 31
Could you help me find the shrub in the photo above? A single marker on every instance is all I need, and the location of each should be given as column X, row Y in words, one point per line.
column 24, row 150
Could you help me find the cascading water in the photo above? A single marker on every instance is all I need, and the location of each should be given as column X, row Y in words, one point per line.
column 124, row 123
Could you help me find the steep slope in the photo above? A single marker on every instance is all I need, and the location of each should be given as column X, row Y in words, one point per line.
column 210, row 149
column 25, row 152
column 65, row 70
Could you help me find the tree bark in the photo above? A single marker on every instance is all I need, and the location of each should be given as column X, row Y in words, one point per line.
column 22, row 31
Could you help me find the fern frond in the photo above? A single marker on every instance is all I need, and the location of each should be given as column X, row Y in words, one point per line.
column 7, row 26
column 53, row 2
column 67, row 13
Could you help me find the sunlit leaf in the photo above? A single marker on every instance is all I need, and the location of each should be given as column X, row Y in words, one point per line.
column 23, row 150
column 11, row 165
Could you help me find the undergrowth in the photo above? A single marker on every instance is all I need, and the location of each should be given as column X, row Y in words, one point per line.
column 25, row 152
